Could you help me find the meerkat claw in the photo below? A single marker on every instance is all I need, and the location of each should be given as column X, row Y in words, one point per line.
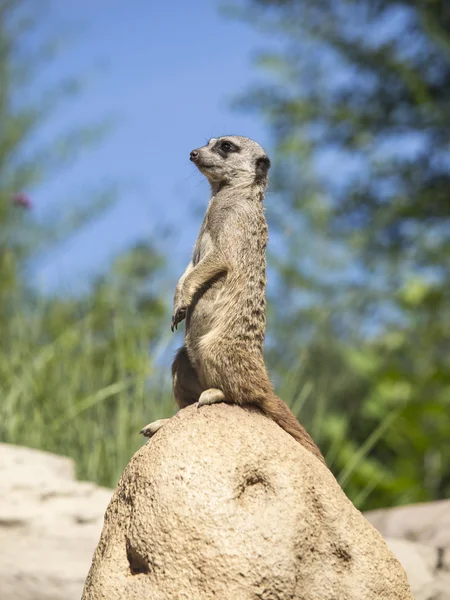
column 177, row 317
column 150, row 429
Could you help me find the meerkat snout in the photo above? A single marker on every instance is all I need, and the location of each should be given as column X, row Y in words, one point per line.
column 193, row 155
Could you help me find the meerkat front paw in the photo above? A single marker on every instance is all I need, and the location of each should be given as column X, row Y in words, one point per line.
column 211, row 396
column 150, row 429
column 179, row 314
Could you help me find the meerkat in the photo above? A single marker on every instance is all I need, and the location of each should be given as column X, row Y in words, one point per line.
column 222, row 293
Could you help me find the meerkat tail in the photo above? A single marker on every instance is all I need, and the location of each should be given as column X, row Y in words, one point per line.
column 279, row 412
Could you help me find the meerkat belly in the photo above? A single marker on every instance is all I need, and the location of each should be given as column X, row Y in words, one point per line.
column 200, row 315
column 236, row 318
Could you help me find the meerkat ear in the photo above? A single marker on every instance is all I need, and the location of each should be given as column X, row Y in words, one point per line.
column 261, row 169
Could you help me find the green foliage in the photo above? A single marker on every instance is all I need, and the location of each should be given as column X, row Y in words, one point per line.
column 358, row 105
column 75, row 373
column 26, row 162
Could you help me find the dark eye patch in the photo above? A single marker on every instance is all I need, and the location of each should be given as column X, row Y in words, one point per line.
column 225, row 147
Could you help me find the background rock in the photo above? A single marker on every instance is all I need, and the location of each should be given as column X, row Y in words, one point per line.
column 223, row 504
column 425, row 549
column 427, row 577
column 425, row 523
column 49, row 525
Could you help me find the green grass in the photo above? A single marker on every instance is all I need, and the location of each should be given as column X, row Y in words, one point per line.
column 83, row 386
column 84, row 393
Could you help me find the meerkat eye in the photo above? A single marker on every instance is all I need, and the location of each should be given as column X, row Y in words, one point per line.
column 226, row 146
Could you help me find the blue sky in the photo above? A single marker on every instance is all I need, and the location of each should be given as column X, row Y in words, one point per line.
column 167, row 73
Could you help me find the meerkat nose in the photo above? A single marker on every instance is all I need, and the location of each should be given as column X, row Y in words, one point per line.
column 194, row 155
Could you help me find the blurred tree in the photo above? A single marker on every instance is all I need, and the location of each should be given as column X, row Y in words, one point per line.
column 74, row 372
column 26, row 161
column 358, row 103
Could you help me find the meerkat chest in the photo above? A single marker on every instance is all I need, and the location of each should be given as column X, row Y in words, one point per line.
column 205, row 240
column 203, row 246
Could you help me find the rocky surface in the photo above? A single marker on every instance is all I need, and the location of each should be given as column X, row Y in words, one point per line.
column 49, row 525
column 428, row 572
column 223, row 504
column 424, row 523
column 420, row 538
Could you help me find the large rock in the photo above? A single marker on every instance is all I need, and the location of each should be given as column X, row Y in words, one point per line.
column 223, row 504
column 49, row 525
column 420, row 536
column 425, row 523
column 427, row 568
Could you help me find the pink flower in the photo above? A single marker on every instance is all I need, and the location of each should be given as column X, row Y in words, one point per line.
column 21, row 199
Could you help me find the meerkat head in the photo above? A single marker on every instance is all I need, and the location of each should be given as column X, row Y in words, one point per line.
column 232, row 160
